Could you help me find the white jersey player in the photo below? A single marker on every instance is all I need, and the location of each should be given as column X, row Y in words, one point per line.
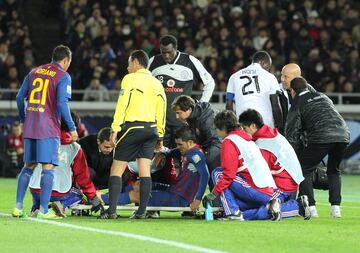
column 254, row 87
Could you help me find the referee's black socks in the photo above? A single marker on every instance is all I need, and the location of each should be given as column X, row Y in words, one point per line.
column 145, row 188
column 114, row 192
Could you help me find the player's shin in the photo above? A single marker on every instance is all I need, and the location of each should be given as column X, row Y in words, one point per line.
column 46, row 184
column 23, row 182
column 115, row 183
column 145, row 188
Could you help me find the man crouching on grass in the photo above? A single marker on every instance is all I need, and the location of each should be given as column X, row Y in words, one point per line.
column 191, row 182
column 72, row 169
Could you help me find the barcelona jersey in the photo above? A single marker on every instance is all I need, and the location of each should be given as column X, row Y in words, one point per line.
column 41, row 100
column 194, row 176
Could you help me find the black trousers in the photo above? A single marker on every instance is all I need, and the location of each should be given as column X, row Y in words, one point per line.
column 212, row 155
column 310, row 157
column 169, row 137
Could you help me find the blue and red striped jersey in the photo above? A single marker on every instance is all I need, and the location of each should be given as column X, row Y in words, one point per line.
column 46, row 89
column 193, row 177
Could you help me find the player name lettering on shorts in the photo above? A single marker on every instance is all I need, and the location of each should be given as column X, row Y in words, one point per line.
column 46, row 72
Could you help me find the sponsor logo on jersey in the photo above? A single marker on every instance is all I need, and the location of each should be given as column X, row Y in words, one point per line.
column 169, row 90
column 170, row 83
column 35, row 109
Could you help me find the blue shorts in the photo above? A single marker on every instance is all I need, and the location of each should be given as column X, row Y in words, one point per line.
column 42, row 150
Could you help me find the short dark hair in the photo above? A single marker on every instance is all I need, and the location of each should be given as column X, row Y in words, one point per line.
column 184, row 133
column 298, row 84
column 167, row 40
column 184, row 103
column 141, row 56
column 263, row 58
column 227, row 121
column 60, row 53
column 251, row 116
column 75, row 117
column 104, row 134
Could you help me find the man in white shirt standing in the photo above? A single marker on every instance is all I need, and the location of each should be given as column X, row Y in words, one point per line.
column 254, row 87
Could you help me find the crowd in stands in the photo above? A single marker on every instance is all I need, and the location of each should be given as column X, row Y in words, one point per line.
column 11, row 149
column 322, row 36
column 16, row 54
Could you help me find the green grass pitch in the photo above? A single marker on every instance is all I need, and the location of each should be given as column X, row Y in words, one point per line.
column 289, row 235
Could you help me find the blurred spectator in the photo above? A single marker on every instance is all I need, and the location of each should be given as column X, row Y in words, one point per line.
column 80, row 127
column 95, row 22
column 96, row 91
column 15, row 146
column 114, row 95
column 11, row 94
column 260, row 39
column 110, row 80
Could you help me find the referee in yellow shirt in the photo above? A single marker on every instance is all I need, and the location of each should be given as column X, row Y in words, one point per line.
column 137, row 128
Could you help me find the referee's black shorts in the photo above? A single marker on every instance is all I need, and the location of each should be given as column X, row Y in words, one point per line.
column 136, row 140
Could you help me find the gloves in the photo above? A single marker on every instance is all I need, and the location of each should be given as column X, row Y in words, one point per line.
column 208, row 199
column 96, row 205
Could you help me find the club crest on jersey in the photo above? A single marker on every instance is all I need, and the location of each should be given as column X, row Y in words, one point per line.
column 196, row 158
column 170, row 83
column 184, row 74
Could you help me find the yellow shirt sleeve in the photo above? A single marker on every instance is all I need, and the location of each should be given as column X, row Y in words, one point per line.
column 121, row 105
column 161, row 111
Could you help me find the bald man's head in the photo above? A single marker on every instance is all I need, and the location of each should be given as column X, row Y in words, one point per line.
column 288, row 73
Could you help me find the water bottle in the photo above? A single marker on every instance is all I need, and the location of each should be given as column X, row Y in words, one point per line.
column 209, row 213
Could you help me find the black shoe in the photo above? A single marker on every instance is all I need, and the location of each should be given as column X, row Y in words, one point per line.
column 216, row 202
column 136, row 216
column 218, row 215
column 153, row 214
column 108, row 216
column 237, row 216
column 304, row 209
column 187, row 214
column 274, row 209
column 77, row 212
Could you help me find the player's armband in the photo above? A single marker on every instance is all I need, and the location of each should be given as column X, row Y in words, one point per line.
column 230, row 96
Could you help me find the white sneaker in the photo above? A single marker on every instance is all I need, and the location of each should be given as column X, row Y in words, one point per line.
column 335, row 212
column 313, row 212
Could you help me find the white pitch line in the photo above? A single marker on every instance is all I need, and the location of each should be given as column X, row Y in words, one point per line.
column 128, row 235
column 328, row 204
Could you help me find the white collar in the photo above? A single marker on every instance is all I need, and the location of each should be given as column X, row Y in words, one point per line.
column 303, row 92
